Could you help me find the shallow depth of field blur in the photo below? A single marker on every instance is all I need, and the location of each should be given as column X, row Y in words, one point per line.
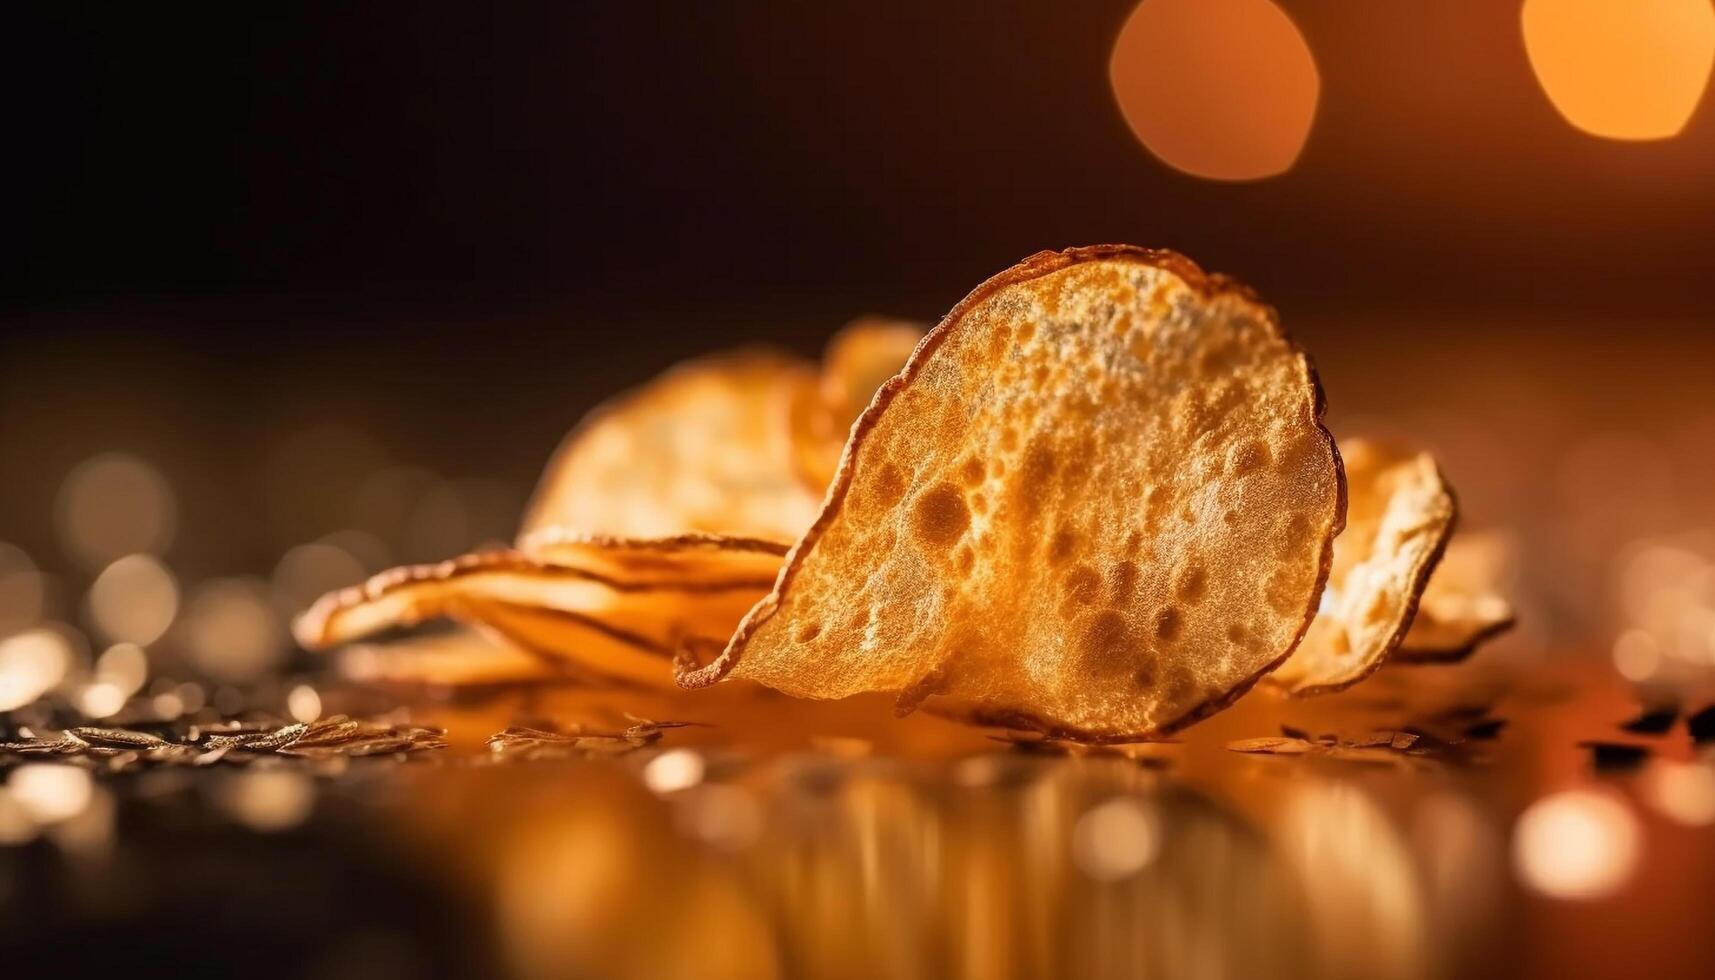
column 275, row 320
column 293, row 297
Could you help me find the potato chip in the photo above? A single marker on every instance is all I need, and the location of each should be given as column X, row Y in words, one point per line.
column 1098, row 502
column 705, row 447
column 461, row 658
column 1400, row 515
column 859, row 359
column 1463, row 607
column 623, row 609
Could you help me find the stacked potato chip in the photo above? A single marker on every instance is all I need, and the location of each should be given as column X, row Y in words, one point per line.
column 1098, row 501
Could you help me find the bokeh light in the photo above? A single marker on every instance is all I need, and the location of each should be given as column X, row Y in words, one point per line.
column 1682, row 792
column 51, row 793
column 268, row 800
column 231, row 629
column 674, row 770
column 308, row 570
column 1666, row 595
column 133, row 600
column 1576, row 844
column 167, row 705
column 1622, row 69
column 123, row 665
column 113, row 505
column 1224, row 89
column 304, row 704
column 1637, row 657
column 31, row 664
column 100, row 700
column 1116, row 839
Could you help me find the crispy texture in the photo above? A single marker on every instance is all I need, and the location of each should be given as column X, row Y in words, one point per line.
column 858, row 360
column 1098, row 502
column 1463, row 607
column 1400, row 517
column 621, row 609
column 705, row 447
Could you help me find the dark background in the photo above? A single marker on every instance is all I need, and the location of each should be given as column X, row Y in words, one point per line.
column 688, row 157
column 456, row 227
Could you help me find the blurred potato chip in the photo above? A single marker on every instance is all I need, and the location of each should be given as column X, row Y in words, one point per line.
column 461, row 658
column 1464, row 605
column 858, row 360
column 623, row 609
column 1098, row 502
column 1400, row 514
column 705, row 447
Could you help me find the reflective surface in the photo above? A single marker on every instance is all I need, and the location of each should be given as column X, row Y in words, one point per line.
column 763, row 850
column 1444, row 822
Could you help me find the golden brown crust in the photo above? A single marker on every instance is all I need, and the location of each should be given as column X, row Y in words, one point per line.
column 1034, row 267
column 544, row 538
column 705, row 446
column 312, row 629
column 1405, row 494
column 589, row 606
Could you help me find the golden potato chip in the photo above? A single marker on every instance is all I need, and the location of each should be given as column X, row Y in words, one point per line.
column 859, row 359
column 1463, row 607
column 705, row 447
column 668, row 561
column 1098, row 502
column 1400, row 515
column 619, row 608
column 462, row 658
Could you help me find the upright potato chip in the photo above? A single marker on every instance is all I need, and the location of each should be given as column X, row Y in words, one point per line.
column 858, row 360
column 1400, row 516
column 1464, row 605
column 1099, row 502
column 705, row 447
column 623, row 609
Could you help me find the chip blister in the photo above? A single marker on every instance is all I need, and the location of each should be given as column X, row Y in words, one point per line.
column 1099, row 501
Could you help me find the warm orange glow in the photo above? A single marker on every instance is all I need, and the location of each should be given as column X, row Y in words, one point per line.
column 1623, row 69
column 1116, row 839
column 134, row 600
column 673, row 770
column 304, row 704
column 1224, row 89
column 1576, row 844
